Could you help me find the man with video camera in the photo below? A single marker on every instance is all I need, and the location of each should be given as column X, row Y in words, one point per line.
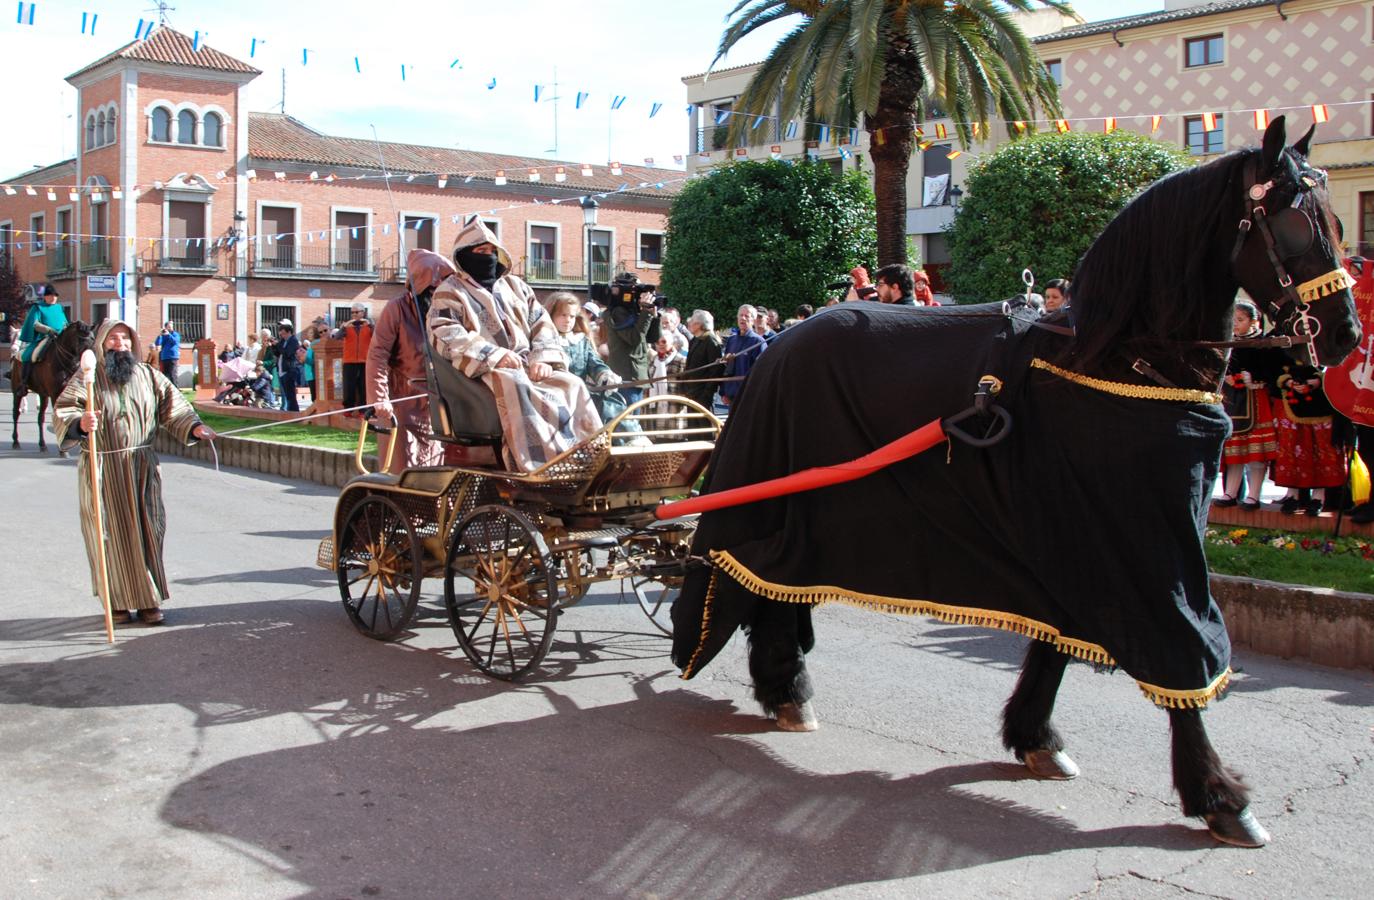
column 630, row 326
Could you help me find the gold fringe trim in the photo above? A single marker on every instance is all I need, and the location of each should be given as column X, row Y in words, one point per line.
column 1322, row 285
column 1134, row 391
column 691, row 667
column 956, row 615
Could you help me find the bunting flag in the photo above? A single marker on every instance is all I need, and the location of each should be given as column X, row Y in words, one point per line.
column 824, row 133
column 617, row 102
column 721, row 116
column 20, row 20
column 500, row 178
column 403, row 71
column 442, row 182
column 253, row 49
column 1154, row 123
column 1109, row 125
column 1019, row 126
column 454, row 64
column 677, row 158
column 142, row 32
column 844, row 153
column 93, row 17
column 775, row 151
column 648, row 160
column 759, row 121
column 581, row 98
column 1261, row 119
column 305, row 56
column 940, row 132
column 975, row 129
column 490, row 84
column 1062, row 125
column 586, row 170
column 538, row 89
column 615, row 168
column 925, row 145
column 560, row 174
column 1320, row 114
column 1209, row 121
column 791, row 130
column 954, row 154
column 653, row 110
column 195, row 42
column 879, row 138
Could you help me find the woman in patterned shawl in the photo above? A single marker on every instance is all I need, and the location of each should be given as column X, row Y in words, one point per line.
column 490, row 325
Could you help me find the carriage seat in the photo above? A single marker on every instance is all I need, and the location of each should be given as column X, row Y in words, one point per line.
column 462, row 409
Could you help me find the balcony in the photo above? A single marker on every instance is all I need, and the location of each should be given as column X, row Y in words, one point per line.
column 185, row 260
column 929, row 219
column 283, row 260
column 62, row 260
column 548, row 273
column 95, row 254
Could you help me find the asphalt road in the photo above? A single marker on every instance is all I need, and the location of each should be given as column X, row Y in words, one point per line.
column 259, row 747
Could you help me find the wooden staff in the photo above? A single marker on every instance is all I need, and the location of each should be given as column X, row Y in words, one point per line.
column 88, row 379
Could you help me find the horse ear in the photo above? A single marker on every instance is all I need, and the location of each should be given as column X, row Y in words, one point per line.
column 1304, row 142
column 1275, row 136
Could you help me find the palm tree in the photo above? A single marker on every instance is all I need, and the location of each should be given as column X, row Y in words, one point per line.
column 889, row 60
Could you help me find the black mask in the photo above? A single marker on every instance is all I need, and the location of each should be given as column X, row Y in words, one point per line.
column 119, row 366
column 484, row 268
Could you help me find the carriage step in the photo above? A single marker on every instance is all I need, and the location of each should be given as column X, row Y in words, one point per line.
column 600, row 539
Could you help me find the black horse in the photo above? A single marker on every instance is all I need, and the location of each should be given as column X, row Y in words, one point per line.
column 1082, row 528
column 47, row 377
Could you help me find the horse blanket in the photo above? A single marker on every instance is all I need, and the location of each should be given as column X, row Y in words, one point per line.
column 1084, row 527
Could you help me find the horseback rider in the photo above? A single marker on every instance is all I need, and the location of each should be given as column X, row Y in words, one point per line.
column 45, row 321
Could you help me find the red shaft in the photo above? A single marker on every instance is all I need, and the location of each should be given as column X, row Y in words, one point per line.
column 908, row 445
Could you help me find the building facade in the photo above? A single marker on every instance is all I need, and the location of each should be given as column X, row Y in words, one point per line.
column 182, row 205
column 1191, row 64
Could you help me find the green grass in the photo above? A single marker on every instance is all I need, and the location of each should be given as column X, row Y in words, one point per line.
column 1342, row 571
column 309, row 434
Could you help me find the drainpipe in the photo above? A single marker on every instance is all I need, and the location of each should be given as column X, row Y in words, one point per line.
column 1117, row 39
column 1278, row 7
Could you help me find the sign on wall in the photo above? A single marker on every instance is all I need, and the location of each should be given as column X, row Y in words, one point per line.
column 106, row 284
column 222, row 311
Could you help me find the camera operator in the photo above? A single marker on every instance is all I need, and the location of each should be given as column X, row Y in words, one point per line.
column 630, row 326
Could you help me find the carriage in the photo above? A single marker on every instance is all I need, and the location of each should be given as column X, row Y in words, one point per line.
column 514, row 549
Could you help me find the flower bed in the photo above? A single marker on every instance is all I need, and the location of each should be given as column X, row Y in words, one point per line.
column 1318, row 560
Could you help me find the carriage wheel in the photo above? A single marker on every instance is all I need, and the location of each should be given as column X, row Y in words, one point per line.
column 505, row 615
column 378, row 561
column 656, row 597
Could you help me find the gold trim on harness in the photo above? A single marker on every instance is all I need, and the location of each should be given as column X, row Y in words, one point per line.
column 1321, row 286
column 1135, row 391
column 958, row 615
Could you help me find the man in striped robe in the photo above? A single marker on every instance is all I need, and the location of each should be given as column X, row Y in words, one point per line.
column 489, row 325
column 132, row 400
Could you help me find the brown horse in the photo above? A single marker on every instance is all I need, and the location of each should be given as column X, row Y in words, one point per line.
column 47, row 377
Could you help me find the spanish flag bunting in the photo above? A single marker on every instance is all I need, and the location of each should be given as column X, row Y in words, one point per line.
column 1154, row 123
column 879, row 138
column 919, row 132
column 954, row 154
column 940, row 132
column 926, row 145
column 976, row 129
column 1320, row 114
column 1261, row 119
column 1020, row 126
column 1109, row 125
column 1209, row 121
column 1062, row 125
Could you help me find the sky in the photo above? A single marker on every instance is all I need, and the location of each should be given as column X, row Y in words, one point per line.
column 639, row 49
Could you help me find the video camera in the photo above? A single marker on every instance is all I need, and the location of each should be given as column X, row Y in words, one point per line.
column 625, row 290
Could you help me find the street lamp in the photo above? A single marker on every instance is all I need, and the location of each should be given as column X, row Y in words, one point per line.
column 589, row 207
column 956, row 193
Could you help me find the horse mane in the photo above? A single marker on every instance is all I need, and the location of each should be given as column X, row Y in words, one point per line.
column 1153, row 271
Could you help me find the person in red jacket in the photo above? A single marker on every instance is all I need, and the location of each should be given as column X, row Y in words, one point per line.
column 356, row 334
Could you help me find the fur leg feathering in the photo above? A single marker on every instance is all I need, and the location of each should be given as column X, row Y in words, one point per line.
column 1026, row 722
column 1204, row 784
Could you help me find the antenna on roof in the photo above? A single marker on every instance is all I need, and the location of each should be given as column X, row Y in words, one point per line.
column 555, row 99
column 282, row 104
column 163, row 8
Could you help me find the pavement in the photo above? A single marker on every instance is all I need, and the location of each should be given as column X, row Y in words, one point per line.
column 257, row 746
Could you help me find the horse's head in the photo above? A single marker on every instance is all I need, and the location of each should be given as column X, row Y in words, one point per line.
column 1287, row 254
column 77, row 337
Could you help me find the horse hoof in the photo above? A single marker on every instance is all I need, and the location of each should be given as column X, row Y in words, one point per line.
column 1054, row 765
column 1240, row 829
column 797, row 717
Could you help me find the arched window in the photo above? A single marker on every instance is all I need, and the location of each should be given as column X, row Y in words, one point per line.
column 162, row 125
column 212, row 131
column 186, row 127
column 110, row 127
column 90, row 132
column 100, row 129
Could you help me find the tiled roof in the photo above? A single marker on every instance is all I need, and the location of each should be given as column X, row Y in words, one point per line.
column 58, row 173
column 1170, row 15
column 174, row 48
column 724, row 71
column 273, row 137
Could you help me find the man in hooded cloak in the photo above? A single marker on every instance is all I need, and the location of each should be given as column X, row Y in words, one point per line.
column 489, row 325
column 132, row 400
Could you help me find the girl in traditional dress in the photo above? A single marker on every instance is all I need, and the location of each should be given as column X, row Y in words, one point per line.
column 1310, row 459
column 1253, row 444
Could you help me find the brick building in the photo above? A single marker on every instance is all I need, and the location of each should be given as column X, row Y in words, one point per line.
column 225, row 220
column 1226, row 58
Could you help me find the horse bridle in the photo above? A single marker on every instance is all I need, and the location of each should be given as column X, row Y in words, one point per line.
column 1287, row 233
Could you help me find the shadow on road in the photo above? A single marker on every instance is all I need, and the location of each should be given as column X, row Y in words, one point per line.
column 411, row 789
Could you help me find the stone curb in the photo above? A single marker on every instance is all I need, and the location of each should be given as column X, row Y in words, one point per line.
column 1331, row 628
column 297, row 462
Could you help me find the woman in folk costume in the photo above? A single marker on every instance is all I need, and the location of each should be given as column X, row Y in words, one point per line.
column 133, row 400
column 1254, row 441
column 1311, row 453
column 490, row 325
column 396, row 363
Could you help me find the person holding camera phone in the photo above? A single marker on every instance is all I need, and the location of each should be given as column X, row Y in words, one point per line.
column 630, row 326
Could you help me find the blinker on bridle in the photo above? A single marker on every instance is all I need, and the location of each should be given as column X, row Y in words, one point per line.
column 1287, row 234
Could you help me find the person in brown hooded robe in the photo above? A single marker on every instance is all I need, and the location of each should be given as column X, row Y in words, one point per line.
column 396, row 365
column 132, row 400
column 490, row 325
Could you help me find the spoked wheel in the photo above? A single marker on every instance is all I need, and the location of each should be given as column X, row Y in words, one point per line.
column 378, row 565
column 656, row 597
column 505, row 615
